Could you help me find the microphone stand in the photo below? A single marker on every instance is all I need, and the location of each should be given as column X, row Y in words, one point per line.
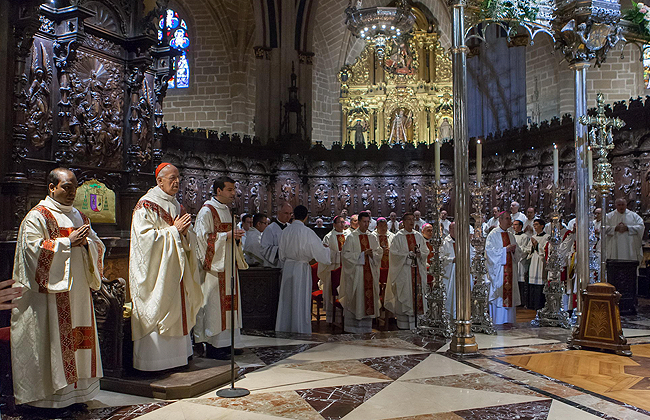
column 232, row 392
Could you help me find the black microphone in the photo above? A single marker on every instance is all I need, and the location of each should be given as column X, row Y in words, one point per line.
column 235, row 216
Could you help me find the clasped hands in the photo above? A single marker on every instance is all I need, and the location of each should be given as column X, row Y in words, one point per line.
column 621, row 227
column 182, row 223
column 79, row 236
column 511, row 248
column 238, row 234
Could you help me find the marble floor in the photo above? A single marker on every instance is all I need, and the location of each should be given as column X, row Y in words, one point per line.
column 522, row 373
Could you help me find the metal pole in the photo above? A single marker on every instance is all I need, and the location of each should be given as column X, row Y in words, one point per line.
column 582, row 182
column 463, row 341
column 602, row 275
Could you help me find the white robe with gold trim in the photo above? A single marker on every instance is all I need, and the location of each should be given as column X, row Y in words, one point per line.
column 215, row 256
column 55, row 353
column 164, row 282
column 325, row 270
column 624, row 245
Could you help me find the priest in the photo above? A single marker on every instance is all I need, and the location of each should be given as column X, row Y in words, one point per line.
column 537, row 271
column 271, row 237
column 493, row 222
column 334, row 240
column 298, row 246
column 523, row 242
column 385, row 237
column 502, row 255
column 215, row 235
column 359, row 292
column 55, row 355
column 427, row 233
column 393, row 223
column 253, row 246
column 448, row 259
column 163, row 276
column 407, row 273
column 624, row 233
column 444, row 223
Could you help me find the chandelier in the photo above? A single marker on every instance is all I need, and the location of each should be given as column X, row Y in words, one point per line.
column 377, row 25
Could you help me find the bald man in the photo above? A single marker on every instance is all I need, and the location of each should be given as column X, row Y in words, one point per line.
column 271, row 236
column 624, row 233
column 163, row 275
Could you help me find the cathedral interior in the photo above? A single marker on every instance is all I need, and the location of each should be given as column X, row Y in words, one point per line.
column 298, row 105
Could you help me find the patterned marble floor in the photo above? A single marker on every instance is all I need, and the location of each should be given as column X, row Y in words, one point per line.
column 397, row 375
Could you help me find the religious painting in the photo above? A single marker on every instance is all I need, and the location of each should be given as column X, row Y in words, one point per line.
column 399, row 60
column 96, row 201
column 401, row 126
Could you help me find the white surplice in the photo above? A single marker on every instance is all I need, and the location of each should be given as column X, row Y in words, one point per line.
column 523, row 241
column 399, row 288
column 496, row 258
column 359, row 291
column 624, row 245
column 492, row 223
column 448, row 259
column 538, row 259
column 334, row 241
column 270, row 243
column 393, row 227
column 215, row 257
column 298, row 246
column 55, row 355
column 164, row 282
column 444, row 227
column 253, row 248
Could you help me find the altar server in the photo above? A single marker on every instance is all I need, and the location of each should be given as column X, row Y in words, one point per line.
column 334, row 240
column 385, row 237
column 624, row 233
column 523, row 242
column 253, row 246
column 271, row 237
column 448, row 260
column 537, row 272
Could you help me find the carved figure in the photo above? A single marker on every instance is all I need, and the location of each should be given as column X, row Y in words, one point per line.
column 288, row 190
column 39, row 116
column 402, row 120
column 344, row 196
column 359, row 128
column 391, row 197
column 367, row 197
column 192, row 191
column 628, row 182
column 400, row 61
column 445, row 131
column 321, row 196
column 415, row 197
column 255, row 196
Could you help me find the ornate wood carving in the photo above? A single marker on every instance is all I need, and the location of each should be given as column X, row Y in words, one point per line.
column 39, row 113
column 108, row 302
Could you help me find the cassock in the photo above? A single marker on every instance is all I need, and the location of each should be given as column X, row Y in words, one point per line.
column 213, row 222
column 502, row 272
column 393, row 227
column 298, row 246
column 55, row 355
column 624, row 245
column 334, row 240
column 537, row 271
column 403, row 276
column 448, row 259
column 359, row 292
column 164, row 281
column 523, row 241
column 384, row 243
column 253, row 248
column 271, row 242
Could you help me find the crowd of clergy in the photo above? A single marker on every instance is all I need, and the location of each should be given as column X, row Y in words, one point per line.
column 181, row 275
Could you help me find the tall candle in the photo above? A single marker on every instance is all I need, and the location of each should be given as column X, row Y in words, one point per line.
column 556, row 165
column 479, row 162
column 437, row 160
column 590, row 166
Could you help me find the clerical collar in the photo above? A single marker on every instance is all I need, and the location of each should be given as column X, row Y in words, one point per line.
column 519, row 233
column 61, row 207
column 163, row 194
column 282, row 225
column 541, row 233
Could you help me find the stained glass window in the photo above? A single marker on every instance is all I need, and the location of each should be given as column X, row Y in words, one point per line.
column 646, row 66
column 174, row 29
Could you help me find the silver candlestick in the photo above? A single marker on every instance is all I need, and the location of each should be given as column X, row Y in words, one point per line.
column 481, row 319
column 552, row 315
column 437, row 320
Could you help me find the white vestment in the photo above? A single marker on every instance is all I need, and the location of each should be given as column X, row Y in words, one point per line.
column 213, row 222
column 528, row 227
column 419, row 224
column 444, row 227
column 393, row 227
column 448, row 258
column 492, row 223
column 55, row 356
column 624, row 245
column 334, row 241
column 164, row 282
column 519, row 216
column 399, row 288
column 298, row 246
column 538, row 259
column 523, row 241
column 253, row 248
column 359, row 291
column 373, row 225
column 504, row 295
column 270, row 243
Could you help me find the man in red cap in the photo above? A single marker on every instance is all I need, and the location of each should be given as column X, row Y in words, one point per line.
column 163, row 275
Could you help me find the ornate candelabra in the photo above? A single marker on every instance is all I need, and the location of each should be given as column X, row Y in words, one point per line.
column 437, row 320
column 552, row 315
column 481, row 319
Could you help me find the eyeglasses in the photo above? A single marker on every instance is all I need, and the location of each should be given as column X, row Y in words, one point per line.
column 173, row 178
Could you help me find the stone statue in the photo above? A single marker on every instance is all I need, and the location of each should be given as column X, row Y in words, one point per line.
column 391, row 197
column 359, row 128
column 255, row 196
column 367, row 197
column 415, row 197
column 321, row 196
column 288, row 190
column 445, row 131
column 402, row 120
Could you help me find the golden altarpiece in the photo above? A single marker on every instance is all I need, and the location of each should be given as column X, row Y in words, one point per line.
column 400, row 95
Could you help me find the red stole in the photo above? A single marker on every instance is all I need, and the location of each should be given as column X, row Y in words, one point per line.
column 368, row 283
column 225, row 299
column 72, row 339
column 415, row 272
column 429, row 258
column 335, row 275
column 507, row 273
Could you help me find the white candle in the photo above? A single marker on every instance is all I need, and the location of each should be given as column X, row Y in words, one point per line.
column 556, row 165
column 479, row 162
column 590, row 165
column 437, row 160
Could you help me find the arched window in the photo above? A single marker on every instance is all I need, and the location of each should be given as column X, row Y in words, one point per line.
column 176, row 31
